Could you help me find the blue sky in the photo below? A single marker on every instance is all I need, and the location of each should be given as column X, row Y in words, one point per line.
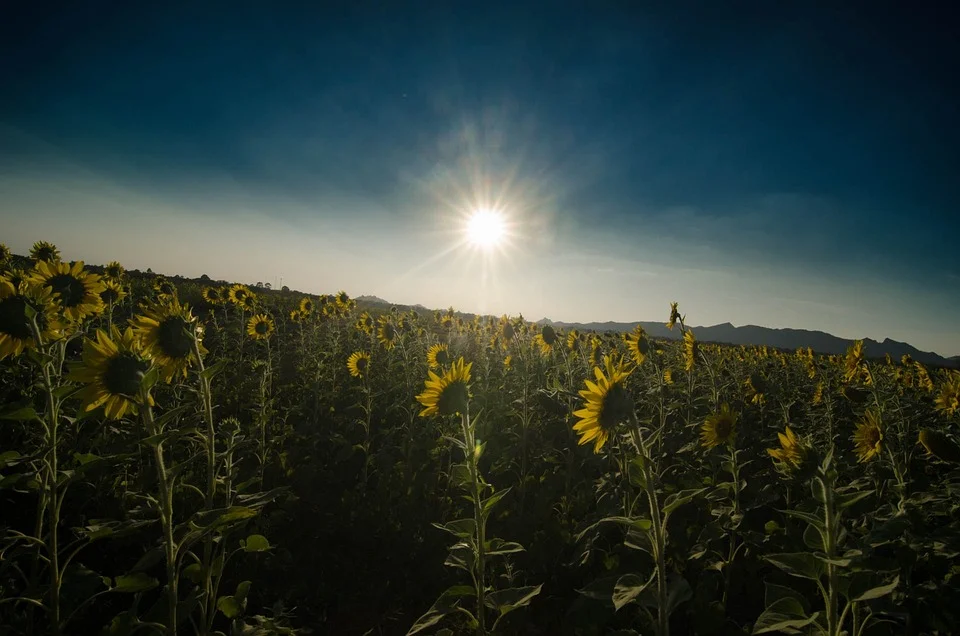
column 761, row 164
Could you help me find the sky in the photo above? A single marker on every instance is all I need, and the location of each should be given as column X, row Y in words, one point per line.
column 778, row 164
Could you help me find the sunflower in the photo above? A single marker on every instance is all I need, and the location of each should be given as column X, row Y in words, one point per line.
column 167, row 331
column 296, row 315
column 792, row 452
column 949, row 399
column 719, row 428
column 448, row 394
column 438, row 356
column 76, row 291
column 923, row 378
column 506, row 329
column 546, row 339
column 387, row 333
column 674, row 316
column 868, row 437
column 250, row 302
column 16, row 330
column 940, row 446
column 5, row 254
column 690, row 349
column 818, row 394
column 163, row 287
column 365, row 323
column 637, row 344
column 508, row 362
column 259, row 327
column 358, row 363
column 114, row 270
column 306, row 305
column 607, row 404
column 343, row 300
column 237, row 293
column 44, row 252
column 853, row 363
column 755, row 387
column 213, row 295
column 906, row 360
column 596, row 352
column 113, row 292
column 667, row 376
column 113, row 368
column 573, row 339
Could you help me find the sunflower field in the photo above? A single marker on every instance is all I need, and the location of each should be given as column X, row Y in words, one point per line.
column 197, row 457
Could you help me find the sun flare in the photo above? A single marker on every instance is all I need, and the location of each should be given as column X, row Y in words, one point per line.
column 486, row 228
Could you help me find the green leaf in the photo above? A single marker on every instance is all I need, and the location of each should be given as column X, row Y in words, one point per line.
column 774, row 593
column 812, row 538
column 678, row 591
column 460, row 528
column 499, row 546
column 784, row 613
column 229, row 606
column 678, row 499
column 505, row 601
column 256, row 543
column 445, row 604
column 193, row 573
column 628, row 588
column 492, row 500
column 848, row 499
column 133, row 583
column 800, row 564
column 860, row 592
column 811, row 519
column 22, row 414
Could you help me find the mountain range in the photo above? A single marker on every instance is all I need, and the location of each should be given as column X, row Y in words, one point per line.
column 791, row 339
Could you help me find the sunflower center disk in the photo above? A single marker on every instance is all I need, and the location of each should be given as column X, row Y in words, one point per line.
column 173, row 335
column 617, row 407
column 13, row 319
column 70, row 289
column 453, row 399
column 124, row 374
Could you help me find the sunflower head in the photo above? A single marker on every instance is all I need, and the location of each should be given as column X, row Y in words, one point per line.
column 296, row 315
column 213, row 295
column 237, row 293
column 114, row 369
column 506, row 329
column 792, row 454
column 42, row 251
column 17, row 302
column 249, row 302
column 719, row 428
column 667, row 376
column 853, row 363
column 868, row 436
column 508, row 362
column 690, row 349
column 168, row 334
column 755, row 387
column 818, row 393
column 573, row 339
column 114, row 270
column 75, row 291
column 259, row 327
column 163, row 287
column 448, row 394
column 387, row 333
column 438, row 356
column 674, row 316
column 343, row 300
column 637, row 344
column 948, row 400
column 5, row 255
column 923, row 377
column 358, row 363
column 113, row 292
column 306, row 305
column 607, row 403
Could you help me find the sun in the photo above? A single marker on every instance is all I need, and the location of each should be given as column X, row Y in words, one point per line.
column 486, row 229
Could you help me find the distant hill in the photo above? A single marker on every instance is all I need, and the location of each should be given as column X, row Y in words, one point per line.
column 792, row 339
column 373, row 300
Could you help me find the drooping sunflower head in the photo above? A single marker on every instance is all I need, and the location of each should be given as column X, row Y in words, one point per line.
column 868, row 436
column 607, row 403
column 940, row 446
column 358, row 363
column 923, row 377
column 114, row 369
column 690, row 349
column 166, row 331
column 260, row 326
column 16, row 329
column 573, row 340
column 114, row 270
column 674, row 316
column 506, row 329
column 387, row 333
column 113, row 292
column 76, row 291
column 793, row 451
column 237, row 293
column 853, row 362
column 438, row 356
column 42, row 251
column 756, row 387
column 447, row 394
column 719, row 428
column 306, row 305
column 948, row 400
column 637, row 344
column 5, row 255
column 213, row 295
